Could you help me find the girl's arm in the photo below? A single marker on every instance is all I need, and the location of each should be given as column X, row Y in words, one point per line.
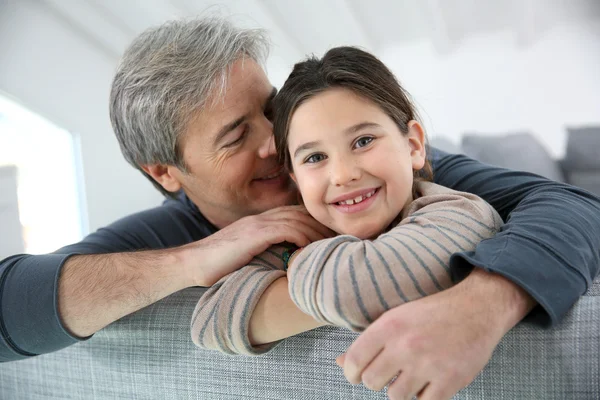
column 221, row 318
column 349, row 282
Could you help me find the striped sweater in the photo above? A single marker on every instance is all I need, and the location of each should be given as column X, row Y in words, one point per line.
column 347, row 281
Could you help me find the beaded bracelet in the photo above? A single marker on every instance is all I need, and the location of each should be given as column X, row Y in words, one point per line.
column 287, row 255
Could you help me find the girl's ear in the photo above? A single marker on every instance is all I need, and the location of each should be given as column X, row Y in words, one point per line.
column 416, row 143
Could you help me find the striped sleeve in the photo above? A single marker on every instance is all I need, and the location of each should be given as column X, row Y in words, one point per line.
column 350, row 282
column 222, row 316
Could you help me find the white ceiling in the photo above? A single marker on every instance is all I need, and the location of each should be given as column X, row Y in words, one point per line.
column 312, row 26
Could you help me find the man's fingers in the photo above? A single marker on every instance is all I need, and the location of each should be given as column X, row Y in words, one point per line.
column 285, row 209
column 438, row 392
column 311, row 234
column 361, row 352
column 299, row 215
column 406, row 386
column 381, row 370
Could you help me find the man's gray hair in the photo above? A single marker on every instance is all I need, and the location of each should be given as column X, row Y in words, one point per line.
column 167, row 74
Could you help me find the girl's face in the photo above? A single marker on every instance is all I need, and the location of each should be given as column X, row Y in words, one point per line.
column 353, row 166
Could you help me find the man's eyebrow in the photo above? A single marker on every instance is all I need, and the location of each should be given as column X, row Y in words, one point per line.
column 228, row 128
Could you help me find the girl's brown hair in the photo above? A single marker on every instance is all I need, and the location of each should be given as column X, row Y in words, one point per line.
column 349, row 68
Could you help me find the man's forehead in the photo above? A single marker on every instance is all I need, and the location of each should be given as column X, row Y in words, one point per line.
column 246, row 85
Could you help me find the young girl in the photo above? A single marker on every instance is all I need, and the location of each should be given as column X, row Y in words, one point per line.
column 349, row 136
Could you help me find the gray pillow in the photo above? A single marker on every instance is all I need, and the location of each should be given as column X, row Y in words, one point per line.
column 583, row 149
column 588, row 180
column 518, row 151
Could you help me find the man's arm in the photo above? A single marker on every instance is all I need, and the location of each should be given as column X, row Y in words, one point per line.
column 33, row 288
column 549, row 244
column 46, row 300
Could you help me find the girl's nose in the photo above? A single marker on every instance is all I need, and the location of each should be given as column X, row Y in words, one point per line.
column 343, row 171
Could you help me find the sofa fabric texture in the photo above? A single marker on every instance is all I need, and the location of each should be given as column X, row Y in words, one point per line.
column 148, row 355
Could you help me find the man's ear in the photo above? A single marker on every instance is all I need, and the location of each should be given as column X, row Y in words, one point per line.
column 165, row 175
column 416, row 142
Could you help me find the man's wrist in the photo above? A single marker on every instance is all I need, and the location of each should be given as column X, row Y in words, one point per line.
column 508, row 302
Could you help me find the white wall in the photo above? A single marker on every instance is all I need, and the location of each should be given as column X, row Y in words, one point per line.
column 11, row 241
column 53, row 69
column 492, row 83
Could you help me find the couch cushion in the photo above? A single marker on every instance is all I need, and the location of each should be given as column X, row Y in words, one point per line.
column 583, row 149
column 519, row 151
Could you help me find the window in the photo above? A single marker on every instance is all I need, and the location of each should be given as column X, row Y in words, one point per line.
column 48, row 178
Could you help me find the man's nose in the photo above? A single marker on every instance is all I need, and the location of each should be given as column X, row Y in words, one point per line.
column 267, row 146
column 343, row 171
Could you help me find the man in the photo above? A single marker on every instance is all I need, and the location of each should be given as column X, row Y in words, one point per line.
column 190, row 108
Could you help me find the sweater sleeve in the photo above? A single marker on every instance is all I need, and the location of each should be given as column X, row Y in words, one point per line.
column 30, row 323
column 350, row 282
column 549, row 243
column 221, row 318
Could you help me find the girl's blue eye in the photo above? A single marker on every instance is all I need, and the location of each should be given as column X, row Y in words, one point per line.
column 363, row 141
column 314, row 158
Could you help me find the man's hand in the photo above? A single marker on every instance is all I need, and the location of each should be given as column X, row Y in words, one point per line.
column 235, row 245
column 96, row 290
column 438, row 344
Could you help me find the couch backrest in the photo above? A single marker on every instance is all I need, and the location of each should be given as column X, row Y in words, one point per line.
column 149, row 355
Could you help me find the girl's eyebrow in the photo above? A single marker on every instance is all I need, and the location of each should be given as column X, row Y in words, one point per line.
column 353, row 129
column 306, row 146
column 360, row 126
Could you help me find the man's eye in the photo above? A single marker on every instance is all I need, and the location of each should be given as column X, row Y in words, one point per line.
column 239, row 139
column 363, row 141
column 314, row 158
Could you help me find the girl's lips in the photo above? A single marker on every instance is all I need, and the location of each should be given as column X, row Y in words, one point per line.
column 354, row 208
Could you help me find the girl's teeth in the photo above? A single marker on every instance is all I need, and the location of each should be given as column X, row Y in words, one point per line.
column 356, row 199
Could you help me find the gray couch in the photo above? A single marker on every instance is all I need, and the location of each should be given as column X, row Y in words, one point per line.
column 149, row 355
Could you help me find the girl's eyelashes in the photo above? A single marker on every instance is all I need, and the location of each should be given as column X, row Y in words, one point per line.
column 363, row 141
column 314, row 158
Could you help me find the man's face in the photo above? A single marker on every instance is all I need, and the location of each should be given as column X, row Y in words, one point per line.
column 233, row 170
